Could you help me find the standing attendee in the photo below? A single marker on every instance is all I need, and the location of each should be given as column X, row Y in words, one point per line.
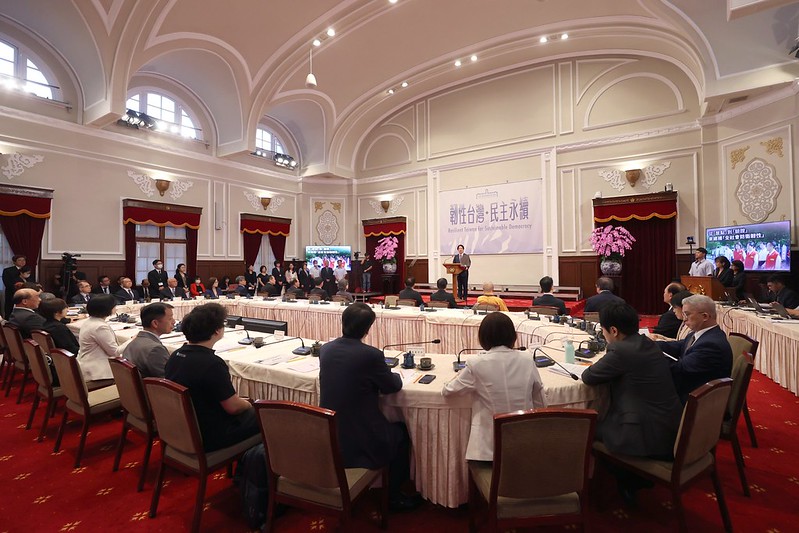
column 157, row 278
column 103, row 286
column 172, row 291
column 340, row 272
column 10, row 277
column 501, row 380
column 329, row 278
column 84, row 294
column 251, row 278
column 409, row 293
column 738, row 279
column 723, row 272
column 547, row 298
column 126, row 292
column 290, row 275
column 182, row 277
column 603, row 296
column 352, row 376
column 442, row 295
column 197, row 288
column 315, row 270
column 702, row 266
column 146, row 350
column 277, row 273
column 463, row 277
column 24, row 315
column 366, row 273
column 97, row 340
column 224, row 418
column 213, row 291
column 262, row 279
column 489, row 298
column 668, row 323
column 305, row 278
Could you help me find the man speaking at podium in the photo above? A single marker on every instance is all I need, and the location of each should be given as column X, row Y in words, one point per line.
column 463, row 277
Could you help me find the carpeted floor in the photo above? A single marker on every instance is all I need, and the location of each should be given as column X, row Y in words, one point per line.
column 40, row 491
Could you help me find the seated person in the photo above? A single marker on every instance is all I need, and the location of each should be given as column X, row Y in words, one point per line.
column 676, row 305
column 441, row 295
column 668, row 323
column 488, row 297
column 97, row 340
column 352, row 376
column 103, row 286
column 318, row 290
column 224, row 418
column 409, row 294
column 547, row 298
column 295, row 290
column 54, row 310
column 240, row 287
column 603, row 296
column 24, row 314
column 84, row 294
column 172, row 290
column 704, row 356
column 342, row 290
column 146, row 350
column 213, row 291
column 126, row 292
column 500, row 380
column 644, row 411
column 778, row 292
column 196, row 288
column 270, row 288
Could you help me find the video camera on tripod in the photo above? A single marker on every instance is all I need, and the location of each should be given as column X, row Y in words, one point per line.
column 68, row 268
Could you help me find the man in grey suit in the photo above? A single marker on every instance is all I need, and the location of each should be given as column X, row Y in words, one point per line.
column 145, row 350
column 463, row 277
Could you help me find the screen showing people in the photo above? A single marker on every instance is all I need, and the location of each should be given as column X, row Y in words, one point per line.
column 765, row 246
column 333, row 256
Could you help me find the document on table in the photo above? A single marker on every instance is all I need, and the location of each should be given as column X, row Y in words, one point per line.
column 117, row 326
column 574, row 369
column 310, row 364
column 408, row 375
column 276, row 359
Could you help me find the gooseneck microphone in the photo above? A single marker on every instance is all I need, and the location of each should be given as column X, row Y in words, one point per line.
column 434, row 341
column 571, row 374
column 459, row 365
column 248, row 340
column 302, row 350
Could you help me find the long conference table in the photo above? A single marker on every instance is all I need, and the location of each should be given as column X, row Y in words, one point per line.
column 439, row 427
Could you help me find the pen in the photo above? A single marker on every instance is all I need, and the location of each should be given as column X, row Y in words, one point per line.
column 418, row 378
column 583, row 360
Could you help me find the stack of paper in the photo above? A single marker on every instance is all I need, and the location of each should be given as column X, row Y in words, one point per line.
column 574, row 369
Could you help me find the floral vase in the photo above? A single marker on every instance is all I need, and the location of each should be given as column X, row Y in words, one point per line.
column 610, row 265
column 390, row 268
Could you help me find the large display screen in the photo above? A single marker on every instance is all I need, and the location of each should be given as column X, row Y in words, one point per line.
column 329, row 255
column 765, row 246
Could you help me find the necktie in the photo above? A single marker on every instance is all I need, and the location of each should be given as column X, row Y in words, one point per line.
column 690, row 342
column 173, row 293
column 130, row 293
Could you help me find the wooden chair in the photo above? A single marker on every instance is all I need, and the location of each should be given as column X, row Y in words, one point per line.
column 44, row 381
column 591, row 317
column 540, row 471
column 485, row 307
column 80, row 401
column 44, row 340
column 7, row 361
column 311, row 476
column 437, row 304
column 694, row 449
column 406, row 302
column 181, row 443
column 314, row 298
column 545, row 310
column 17, row 351
column 741, row 344
column 136, row 412
column 391, row 300
column 339, row 299
column 741, row 373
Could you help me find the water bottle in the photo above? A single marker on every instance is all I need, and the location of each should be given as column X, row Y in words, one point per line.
column 569, row 350
column 421, row 306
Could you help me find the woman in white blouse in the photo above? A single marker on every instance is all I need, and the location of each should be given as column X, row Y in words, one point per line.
column 97, row 340
column 500, row 380
column 290, row 275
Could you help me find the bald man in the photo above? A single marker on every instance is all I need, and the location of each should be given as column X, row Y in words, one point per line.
column 488, row 297
column 24, row 314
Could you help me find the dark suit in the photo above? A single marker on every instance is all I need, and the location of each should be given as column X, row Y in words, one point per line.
column 444, row 296
column 306, row 281
column 668, row 325
column 787, row 297
column 644, row 411
column 99, row 290
column 739, row 284
column 157, row 282
column 724, row 277
column 329, row 279
column 62, row 337
column 183, row 280
column 549, row 300
column 321, row 293
column 122, row 295
column 409, row 294
column 166, row 294
column 463, row 277
column 596, row 302
column 709, row 358
column 10, row 277
column 352, row 375
column 26, row 320
column 280, row 278
column 80, row 298
column 271, row 290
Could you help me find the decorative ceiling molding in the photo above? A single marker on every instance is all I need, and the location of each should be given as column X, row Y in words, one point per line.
column 18, row 163
column 177, row 187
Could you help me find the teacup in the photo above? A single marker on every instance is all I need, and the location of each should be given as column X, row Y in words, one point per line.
column 425, row 363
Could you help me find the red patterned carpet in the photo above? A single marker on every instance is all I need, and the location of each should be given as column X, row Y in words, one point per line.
column 41, row 491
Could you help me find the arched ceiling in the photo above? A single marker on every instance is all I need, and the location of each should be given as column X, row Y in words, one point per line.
column 249, row 58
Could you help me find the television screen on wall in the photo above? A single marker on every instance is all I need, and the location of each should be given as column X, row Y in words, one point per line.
column 761, row 247
column 330, row 254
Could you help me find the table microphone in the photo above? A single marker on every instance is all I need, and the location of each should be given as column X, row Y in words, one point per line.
column 302, row 350
column 248, row 340
column 459, row 365
column 434, row 341
column 571, row 374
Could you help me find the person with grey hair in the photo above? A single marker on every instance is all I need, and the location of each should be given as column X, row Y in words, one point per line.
column 241, row 286
column 703, row 356
column 342, row 290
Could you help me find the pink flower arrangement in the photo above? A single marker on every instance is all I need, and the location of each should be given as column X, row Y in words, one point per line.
column 387, row 249
column 610, row 240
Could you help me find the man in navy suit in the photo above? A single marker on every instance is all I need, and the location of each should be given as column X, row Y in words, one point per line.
column 547, row 299
column 668, row 323
column 126, row 291
column 703, row 356
column 603, row 296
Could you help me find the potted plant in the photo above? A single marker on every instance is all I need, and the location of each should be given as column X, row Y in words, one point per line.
column 610, row 243
column 386, row 252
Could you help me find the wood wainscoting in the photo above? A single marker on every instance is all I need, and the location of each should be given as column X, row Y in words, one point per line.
column 418, row 270
column 579, row 271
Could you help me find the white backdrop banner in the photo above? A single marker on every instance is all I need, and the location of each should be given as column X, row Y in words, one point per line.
column 497, row 219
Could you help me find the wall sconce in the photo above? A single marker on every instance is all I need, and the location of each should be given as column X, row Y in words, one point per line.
column 265, row 201
column 162, row 186
column 632, row 176
column 385, row 204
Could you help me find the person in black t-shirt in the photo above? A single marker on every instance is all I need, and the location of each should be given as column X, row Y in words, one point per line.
column 224, row 418
column 366, row 273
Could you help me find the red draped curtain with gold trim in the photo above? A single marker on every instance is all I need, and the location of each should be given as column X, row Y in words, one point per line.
column 22, row 219
column 166, row 216
column 253, row 229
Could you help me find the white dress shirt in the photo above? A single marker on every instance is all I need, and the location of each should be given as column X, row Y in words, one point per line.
column 705, row 267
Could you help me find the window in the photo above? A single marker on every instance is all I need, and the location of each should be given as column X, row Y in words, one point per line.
column 171, row 116
column 18, row 70
column 153, row 242
column 267, row 140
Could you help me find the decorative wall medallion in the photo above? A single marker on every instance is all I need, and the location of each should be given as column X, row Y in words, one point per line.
column 327, row 227
column 336, row 206
column 758, row 190
column 145, row 182
column 254, row 200
column 773, row 146
column 394, row 206
column 277, row 201
column 17, row 164
column 317, row 206
column 179, row 187
column 653, row 172
column 614, row 177
column 738, row 155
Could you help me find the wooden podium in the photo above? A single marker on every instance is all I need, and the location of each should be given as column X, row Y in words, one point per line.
column 454, row 269
column 705, row 285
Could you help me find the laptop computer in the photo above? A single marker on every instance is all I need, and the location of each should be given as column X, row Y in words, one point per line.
column 760, row 308
column 780, row 309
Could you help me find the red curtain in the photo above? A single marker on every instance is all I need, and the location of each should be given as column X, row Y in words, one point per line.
column 252, row 243
column 254, row 228
column 373, row 233
column 278, row 244
column 22, row 219
column 130, row 252
column 159, row 217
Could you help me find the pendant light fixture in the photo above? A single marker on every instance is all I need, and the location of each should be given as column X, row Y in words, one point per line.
column 310, row 79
